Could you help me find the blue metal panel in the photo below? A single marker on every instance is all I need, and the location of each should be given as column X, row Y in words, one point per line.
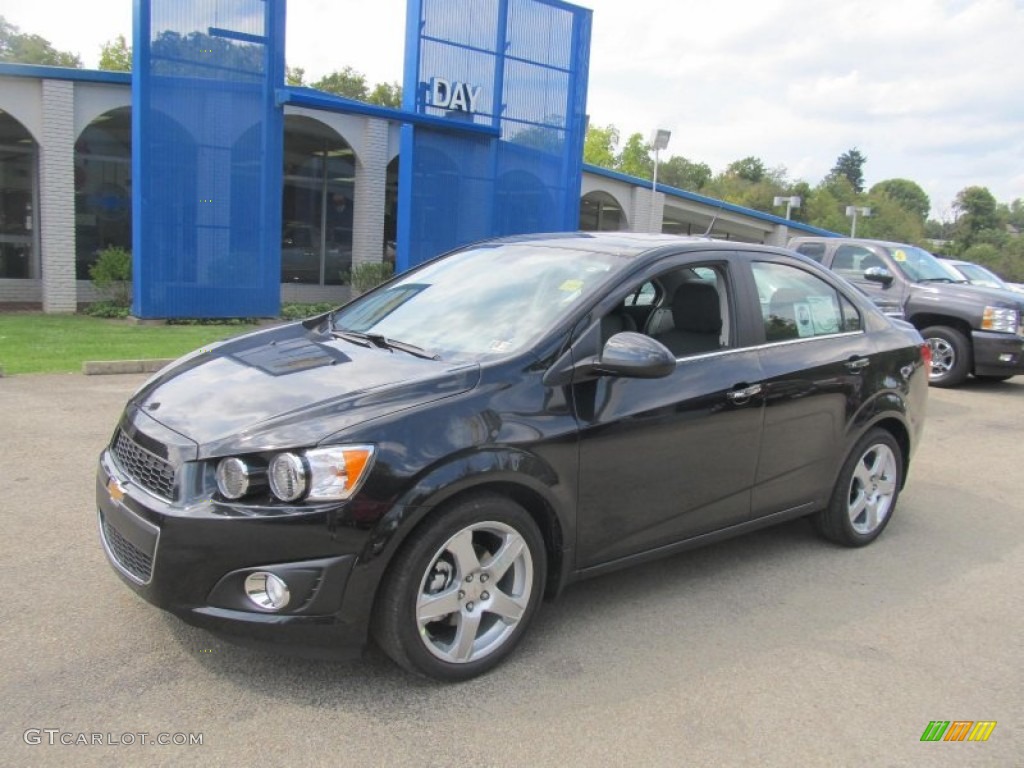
column 522, row 67
column 207, row 154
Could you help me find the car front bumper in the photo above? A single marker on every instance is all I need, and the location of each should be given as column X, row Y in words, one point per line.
column 998, row 354
column 193, row 562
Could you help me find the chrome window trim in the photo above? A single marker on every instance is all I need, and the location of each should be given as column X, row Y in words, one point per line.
column 766, row 345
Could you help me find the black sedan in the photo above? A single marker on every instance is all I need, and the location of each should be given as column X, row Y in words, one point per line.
column 428, row 462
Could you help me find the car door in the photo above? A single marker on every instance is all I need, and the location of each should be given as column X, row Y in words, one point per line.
column 818, row 367
column 662, row 460
column 852, row 261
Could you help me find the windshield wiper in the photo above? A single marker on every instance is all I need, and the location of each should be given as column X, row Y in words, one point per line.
column 380, row 341
column 936, row 280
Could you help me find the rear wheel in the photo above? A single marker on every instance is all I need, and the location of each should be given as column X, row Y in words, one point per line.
column 865, row 494
column 462, row 592
column 951, row 356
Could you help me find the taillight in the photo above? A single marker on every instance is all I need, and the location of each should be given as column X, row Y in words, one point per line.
column 926, row 356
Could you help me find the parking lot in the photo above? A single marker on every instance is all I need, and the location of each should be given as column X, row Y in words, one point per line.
column 775, row 649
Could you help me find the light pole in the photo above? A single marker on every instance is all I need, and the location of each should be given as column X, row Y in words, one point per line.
column 852, row 211
column 791, row 203
column 659, row 141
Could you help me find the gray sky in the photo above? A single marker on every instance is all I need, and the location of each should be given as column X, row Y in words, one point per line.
column 929, row 90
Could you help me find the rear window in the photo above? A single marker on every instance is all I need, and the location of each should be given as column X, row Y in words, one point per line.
column 814, row 251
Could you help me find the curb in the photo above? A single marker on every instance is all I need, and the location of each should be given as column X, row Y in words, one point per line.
column 107, row 367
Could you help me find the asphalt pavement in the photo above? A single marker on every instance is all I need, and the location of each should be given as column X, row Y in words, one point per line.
column 775, row 649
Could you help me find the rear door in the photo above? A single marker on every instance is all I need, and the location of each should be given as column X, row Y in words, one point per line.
column 818, row 365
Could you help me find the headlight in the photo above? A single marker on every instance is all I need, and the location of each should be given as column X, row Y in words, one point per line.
column 337, row 472
column 334, row 473
column 235, row 478
column 287, row 476
column 1000, row 319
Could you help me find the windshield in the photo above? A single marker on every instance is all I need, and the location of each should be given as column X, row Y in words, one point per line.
column 978, row 275
column 920, row 266
column 482, row 302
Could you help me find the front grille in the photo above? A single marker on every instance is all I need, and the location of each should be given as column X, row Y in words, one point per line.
column 145, row 468
column 131, row 559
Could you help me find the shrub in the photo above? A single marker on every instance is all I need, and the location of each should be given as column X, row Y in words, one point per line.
column 107, row 309
column 369, row 275
column 112, row 275
column 302, row 311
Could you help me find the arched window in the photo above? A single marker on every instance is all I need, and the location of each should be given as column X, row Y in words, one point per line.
column 317, row 204
column 599, row 212
column 19, row 201
column 103, row 191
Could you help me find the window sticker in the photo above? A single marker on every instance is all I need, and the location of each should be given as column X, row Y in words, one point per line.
column 824, row 314
column 899, row 255
column 571, row 286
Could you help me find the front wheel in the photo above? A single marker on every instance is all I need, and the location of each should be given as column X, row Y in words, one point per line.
column 951, row 356
column 865, row 494
column 462, row 592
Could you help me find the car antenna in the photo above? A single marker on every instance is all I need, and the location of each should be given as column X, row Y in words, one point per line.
column 707, row 232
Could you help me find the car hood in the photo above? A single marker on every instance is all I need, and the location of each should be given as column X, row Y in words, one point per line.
column 290, row 387
column 970, row 293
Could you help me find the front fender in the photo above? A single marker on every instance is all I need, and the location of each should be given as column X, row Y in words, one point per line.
column 504, row 469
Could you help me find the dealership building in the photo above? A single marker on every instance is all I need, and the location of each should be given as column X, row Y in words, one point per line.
column 235, row 192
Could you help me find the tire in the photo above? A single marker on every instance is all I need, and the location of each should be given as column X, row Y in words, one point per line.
column 463, row 590
column 865, row 494
column 951, row 356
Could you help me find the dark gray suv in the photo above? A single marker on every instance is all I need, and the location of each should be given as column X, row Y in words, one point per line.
column 971, row 329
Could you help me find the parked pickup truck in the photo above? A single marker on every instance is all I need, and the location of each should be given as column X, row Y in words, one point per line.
column 971, row 329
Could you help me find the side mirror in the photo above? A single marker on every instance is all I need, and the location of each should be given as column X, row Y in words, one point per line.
column 635, row 355
column 878, row 275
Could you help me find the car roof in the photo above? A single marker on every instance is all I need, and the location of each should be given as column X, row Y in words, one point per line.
column 627, row 244
column 853, row 240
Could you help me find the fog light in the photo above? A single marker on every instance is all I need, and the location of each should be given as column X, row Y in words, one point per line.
column 1006, row 358
column 267, row 590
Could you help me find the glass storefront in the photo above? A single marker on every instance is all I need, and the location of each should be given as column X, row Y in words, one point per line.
column 319, row 190
column 103, row 193
column 600, row 213
column 18, row 200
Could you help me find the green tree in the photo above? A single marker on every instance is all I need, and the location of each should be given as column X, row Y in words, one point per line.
column 850, row 165
column 32, row 49
column 635, row 158
column 889, row 220
column 749, row 169
column 116, row 55
column 681, row 173
column 977, row 217
column 1013, row 214
column 347, row 82
column 386, row 95
column 905, row 193
column 600, row 145
column 294, row 76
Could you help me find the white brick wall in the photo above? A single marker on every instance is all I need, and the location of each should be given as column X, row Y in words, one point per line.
column 57, row 197
column 639, row 213
column 371, row 179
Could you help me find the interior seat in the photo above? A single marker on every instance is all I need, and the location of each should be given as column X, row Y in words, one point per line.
column 696, row 320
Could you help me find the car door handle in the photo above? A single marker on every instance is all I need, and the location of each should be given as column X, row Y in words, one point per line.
column 857, row 364
column 741, row 396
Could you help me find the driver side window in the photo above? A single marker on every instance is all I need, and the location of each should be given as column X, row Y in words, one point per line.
column 686, row 309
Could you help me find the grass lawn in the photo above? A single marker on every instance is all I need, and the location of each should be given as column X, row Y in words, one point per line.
column 32, row 342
